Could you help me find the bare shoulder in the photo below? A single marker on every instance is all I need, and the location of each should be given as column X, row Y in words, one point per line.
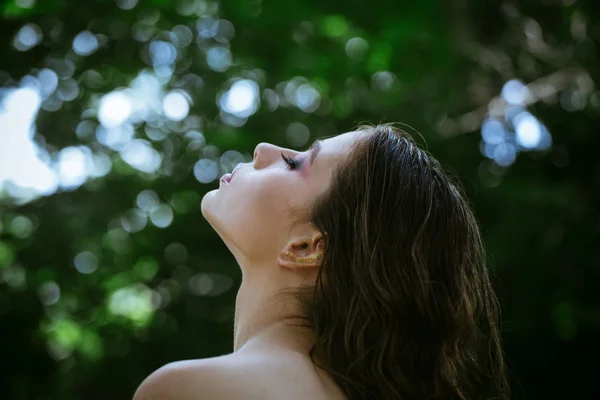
column 212, row 378
column 228, row 377
column 234, row 377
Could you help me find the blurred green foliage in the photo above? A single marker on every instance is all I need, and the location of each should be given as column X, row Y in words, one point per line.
column 134, row 109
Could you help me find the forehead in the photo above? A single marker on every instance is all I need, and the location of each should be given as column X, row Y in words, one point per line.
column 339, row 146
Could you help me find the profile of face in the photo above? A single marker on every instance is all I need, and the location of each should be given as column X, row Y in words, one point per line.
column 254, row 212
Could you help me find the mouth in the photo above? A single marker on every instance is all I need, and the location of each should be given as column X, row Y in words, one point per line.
column 227, row 177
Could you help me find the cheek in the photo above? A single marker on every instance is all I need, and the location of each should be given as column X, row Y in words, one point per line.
column 265, row 202
column 255, row 212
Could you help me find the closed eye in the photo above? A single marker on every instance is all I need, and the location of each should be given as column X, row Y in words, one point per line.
column 291, row 163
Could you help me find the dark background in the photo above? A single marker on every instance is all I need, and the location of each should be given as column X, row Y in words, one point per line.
column 111, row 272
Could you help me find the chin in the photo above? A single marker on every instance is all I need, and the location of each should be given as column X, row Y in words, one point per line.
column 207, row 204
column 210, row 208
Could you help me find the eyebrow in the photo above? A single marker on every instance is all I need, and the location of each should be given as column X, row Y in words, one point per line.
column 314, row 150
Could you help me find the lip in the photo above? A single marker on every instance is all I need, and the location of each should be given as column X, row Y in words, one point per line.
column 226, row 179
column 234, row 171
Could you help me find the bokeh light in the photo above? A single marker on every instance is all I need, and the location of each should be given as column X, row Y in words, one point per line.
column 176, row 106
column 115, row 108
column 241, row 99
column 206, row 171
column 141, row 155
column 297, row 134
column 29, row 36
column 218, row 58
column 85, row 43
column 86, row 262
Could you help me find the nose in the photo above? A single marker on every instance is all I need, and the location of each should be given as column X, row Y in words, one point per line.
column 264, row 155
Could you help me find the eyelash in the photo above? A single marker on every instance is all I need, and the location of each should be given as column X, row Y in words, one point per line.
column 292, row 164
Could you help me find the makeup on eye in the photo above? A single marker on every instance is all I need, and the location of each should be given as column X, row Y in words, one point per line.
column 292, row 163
column 313, row 151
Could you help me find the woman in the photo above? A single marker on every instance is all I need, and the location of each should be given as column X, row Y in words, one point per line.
column 364, row 277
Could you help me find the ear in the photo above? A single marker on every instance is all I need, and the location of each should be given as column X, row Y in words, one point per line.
column 304, row 252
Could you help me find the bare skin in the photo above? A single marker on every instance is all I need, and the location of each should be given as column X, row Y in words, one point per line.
column 275, row 250
column 264, row 375
column 285, row 366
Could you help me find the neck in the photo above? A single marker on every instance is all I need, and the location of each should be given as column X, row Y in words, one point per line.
column 261, row 320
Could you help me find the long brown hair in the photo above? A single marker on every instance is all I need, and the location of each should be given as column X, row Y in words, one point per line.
column 403, row 306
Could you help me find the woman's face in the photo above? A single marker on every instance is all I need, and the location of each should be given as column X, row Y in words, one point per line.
column 253, row 212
